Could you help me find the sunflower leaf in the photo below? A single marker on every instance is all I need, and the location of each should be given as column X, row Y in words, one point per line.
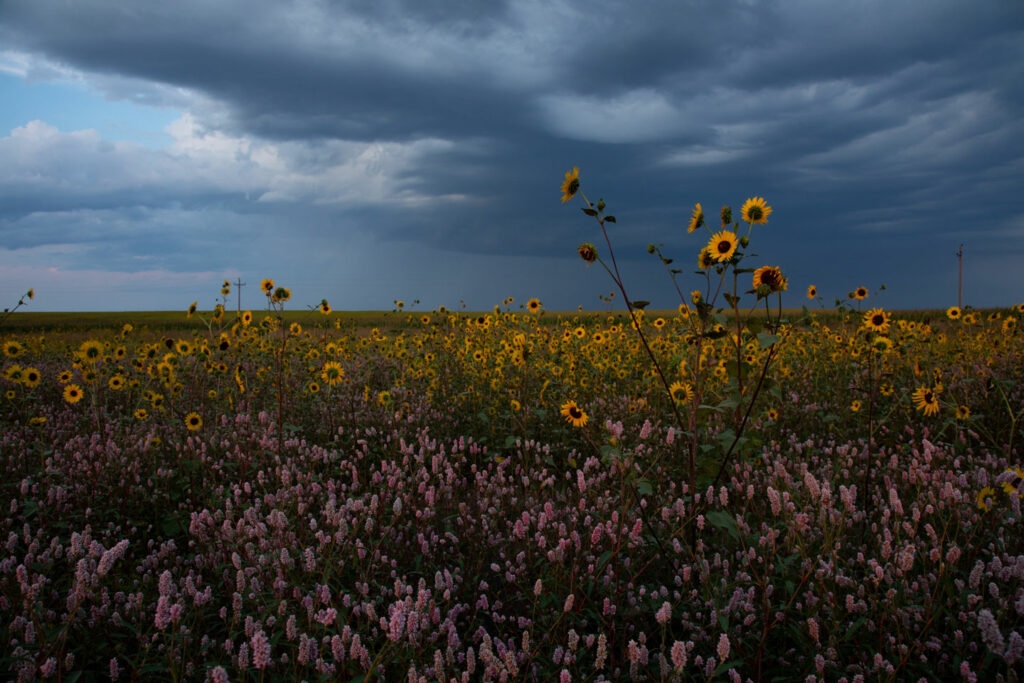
column 589, row 212
column 609, row 219
column 641, row 304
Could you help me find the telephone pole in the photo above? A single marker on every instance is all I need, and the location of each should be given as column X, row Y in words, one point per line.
column 238, row 288
column 960, row 277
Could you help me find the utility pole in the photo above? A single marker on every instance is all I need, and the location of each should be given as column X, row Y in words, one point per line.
column 960, row 277
column 238, row 288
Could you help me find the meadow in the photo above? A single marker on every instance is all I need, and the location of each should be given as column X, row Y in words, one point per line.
column 513, row 495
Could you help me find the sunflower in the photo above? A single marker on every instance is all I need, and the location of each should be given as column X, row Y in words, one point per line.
column 384, row 398
column 332, row 373
column 313, row 388
column 697, row 219
column 705, row 260
column 587, row 252
column 90, row 351
column 116, row 382
column 962, row 412
column 926, row 401
column 881, row 344
column 1009, row 325
column 72, row 393
column 659, row 323
column 13, row 349
column 192, row 309
column 855, row 407
column 812, row 291
column 722, row 245
column 953, row 312
column 65, row 377
column 183, row 347
column 681, row 392
column 770, row 277
column 193, row 421
column 573, row 414
column 860, row 293
column 772, row 414
column 755, row 210
column 986, row 497
column 969, row 318
column 533, row 305
column 282, row 294
column 30, row 377
column 267, row 286
column 876, row 320
column 571, row 184
column 141, row 414
column 325, row 307
column 515, row 405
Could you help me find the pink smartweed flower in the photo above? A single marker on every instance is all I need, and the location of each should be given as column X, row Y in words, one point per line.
column 218, row 675
column 110, row 557
column 723, row 647
column 602, row 651
column 162, row 619
column 48, row 668
column 664, row 614
column 678, row 655
column 260, row 650
column 243, row 656
column 990, row 632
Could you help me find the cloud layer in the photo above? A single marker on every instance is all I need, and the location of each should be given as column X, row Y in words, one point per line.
column 884, row 134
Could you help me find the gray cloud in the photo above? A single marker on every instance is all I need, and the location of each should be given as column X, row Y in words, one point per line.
column 884, row 133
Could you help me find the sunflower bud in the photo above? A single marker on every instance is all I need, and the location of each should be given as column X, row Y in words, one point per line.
column 587, row 252
column 650, row 248
column 744, row 241
column 726, row 216
column 600, row 204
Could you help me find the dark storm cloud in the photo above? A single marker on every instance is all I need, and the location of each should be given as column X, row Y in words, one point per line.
column 881, row 131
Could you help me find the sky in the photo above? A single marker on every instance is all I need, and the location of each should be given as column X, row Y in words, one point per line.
column 379, row 150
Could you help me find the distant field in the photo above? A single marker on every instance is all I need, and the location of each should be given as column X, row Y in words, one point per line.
column 176, row 320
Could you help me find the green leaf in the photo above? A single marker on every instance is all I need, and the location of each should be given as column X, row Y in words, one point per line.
column 589, row 212
column 755, row 325
column 641, row 304
column 609, row 219
column 644, row 488
column 766, row 340
column 723, row 520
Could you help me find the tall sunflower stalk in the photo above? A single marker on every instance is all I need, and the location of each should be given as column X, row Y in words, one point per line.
column 720, row 256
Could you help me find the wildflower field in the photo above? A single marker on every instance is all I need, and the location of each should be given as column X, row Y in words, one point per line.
column 514, row 495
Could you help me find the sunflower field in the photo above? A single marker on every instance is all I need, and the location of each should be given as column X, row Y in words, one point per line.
column 518, row 495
